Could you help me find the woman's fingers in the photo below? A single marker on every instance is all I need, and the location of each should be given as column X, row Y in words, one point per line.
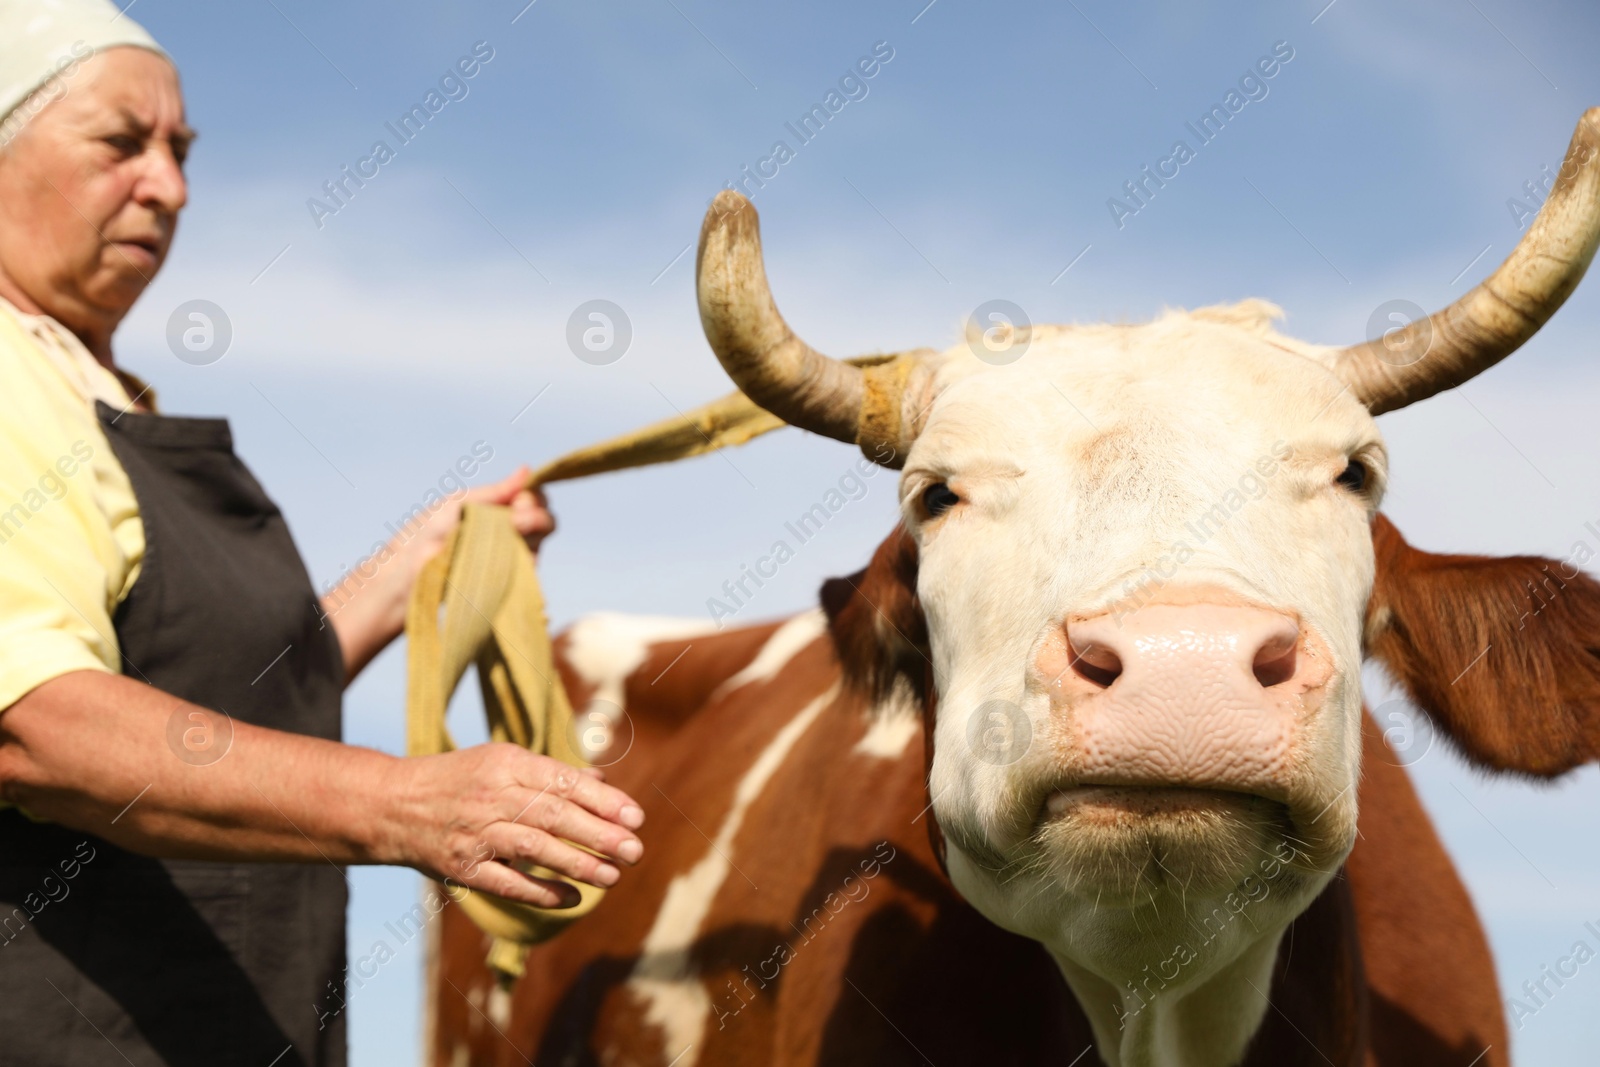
column 531, row 517
column 514, row 842
column 530, row 512
column 502, row 492
column 503, row 881
column 563, row 818
column 545, row 775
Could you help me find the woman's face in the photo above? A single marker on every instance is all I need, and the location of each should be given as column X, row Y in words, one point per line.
column 90, row 191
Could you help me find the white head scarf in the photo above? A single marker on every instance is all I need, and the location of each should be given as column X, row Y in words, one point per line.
column 45, row 41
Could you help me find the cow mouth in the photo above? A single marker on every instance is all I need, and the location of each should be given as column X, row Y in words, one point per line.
column 1131, row 839
column 1124, row 802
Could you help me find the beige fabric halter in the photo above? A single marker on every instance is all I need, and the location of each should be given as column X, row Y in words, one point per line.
column 478, row 602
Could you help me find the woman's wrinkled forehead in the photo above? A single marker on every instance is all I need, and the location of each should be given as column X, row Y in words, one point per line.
column 128, row 86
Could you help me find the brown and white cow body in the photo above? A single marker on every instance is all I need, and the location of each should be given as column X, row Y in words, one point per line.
column 1078, row 767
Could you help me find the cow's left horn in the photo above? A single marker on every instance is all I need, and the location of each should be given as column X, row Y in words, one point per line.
column 1494, row 319
column 847, row 401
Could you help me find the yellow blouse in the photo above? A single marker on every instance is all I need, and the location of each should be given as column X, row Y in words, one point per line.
column 71, row 540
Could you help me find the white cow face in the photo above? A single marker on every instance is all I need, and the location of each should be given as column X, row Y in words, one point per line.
column 1144, row 562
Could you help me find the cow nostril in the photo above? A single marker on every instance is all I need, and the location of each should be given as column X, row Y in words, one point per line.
column 1275, row 661
column 1096, row 664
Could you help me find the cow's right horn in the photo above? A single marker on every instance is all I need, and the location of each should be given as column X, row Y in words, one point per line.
column 857, row 401
column 1452, row 346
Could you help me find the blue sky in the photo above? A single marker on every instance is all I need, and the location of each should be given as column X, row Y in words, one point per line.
column 371, row 352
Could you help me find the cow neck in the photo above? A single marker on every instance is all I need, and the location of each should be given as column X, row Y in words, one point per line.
column 1318, row 1011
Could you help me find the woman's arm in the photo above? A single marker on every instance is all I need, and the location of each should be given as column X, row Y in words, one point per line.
column 90, row 750
column 368, row 606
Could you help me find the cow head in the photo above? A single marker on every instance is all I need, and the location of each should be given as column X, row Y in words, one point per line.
column 1143, row 559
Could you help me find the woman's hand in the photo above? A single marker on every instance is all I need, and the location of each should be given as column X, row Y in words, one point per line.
column 464, row 817
column 368, row 607
column 423, row 539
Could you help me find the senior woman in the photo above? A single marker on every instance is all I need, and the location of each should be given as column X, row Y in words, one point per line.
column 155, row 907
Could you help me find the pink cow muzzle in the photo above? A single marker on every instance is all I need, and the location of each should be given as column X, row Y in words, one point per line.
column 1197, row 695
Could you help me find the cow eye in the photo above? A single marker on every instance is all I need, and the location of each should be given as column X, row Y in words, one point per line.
column 1354, row 476
column 938, row 499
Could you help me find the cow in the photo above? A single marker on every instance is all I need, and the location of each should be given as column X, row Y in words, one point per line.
column 1076, row 770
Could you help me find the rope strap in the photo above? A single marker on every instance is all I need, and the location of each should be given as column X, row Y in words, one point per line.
column 478, row 602
column 735, row 419
column 730, row 420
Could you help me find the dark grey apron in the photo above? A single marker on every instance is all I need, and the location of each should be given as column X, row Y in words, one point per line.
column 108, row 957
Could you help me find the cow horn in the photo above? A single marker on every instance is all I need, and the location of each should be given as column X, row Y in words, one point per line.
column 843, row 400
column 1486, row 325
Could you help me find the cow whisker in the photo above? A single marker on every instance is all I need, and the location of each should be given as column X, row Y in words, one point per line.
column 1183, row 890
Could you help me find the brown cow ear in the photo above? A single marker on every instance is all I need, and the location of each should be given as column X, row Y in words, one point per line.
column 1502, row 652
column 877, row 624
